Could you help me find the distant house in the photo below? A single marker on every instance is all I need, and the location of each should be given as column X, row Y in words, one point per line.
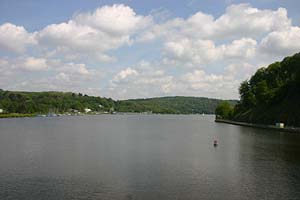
column 112, row 110
column 86, row 110
column 279, row 125
column 1, row 110
column 73, row 111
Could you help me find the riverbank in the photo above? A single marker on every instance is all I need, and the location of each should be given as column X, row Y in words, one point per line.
column 270, row 127
column 26, row 115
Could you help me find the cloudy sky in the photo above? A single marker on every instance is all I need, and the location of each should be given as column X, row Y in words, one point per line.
column 137, row 49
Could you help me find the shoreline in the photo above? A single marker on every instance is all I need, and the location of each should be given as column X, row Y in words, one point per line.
column 261, row 126
column 18, row 115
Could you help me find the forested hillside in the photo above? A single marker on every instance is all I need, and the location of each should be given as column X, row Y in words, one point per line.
column 176, row 105
column 44, row 102
column 61, row 102
column 271, row 95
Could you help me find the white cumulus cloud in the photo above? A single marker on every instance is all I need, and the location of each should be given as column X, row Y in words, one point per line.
column 94, row 33
column 239, row 20
column 34, row 64
column 194, row 52
column 15, row 38
column 125, row 74
column 283, row 42
column 144, row 80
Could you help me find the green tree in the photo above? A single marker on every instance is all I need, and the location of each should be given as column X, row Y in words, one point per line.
column 262, row 92
column 246, row 94
column 224, row 110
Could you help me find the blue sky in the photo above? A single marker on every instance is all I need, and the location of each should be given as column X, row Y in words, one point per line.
column 137, row 49
column 35, row 14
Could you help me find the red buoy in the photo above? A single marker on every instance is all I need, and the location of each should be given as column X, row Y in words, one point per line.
column 215, row 143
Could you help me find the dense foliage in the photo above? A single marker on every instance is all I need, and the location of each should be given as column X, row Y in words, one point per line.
column 60, row 102
column 272, row 94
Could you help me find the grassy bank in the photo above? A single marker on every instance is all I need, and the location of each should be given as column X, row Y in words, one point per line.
column 16, row 115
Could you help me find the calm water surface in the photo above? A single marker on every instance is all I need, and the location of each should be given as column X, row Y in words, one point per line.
column 145, row 157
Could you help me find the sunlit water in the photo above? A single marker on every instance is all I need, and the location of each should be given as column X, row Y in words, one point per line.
column 145, row 157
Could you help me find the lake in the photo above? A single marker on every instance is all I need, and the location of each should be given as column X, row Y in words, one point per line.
column 147, row 157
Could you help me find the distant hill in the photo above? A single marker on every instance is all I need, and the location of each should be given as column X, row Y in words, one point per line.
column 60, row 102
column 271, row 95
column 176, row 105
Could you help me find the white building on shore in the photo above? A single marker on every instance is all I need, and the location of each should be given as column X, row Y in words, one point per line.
column 86, row 110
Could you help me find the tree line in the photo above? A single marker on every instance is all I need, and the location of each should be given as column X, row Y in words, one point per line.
column 62, row 102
